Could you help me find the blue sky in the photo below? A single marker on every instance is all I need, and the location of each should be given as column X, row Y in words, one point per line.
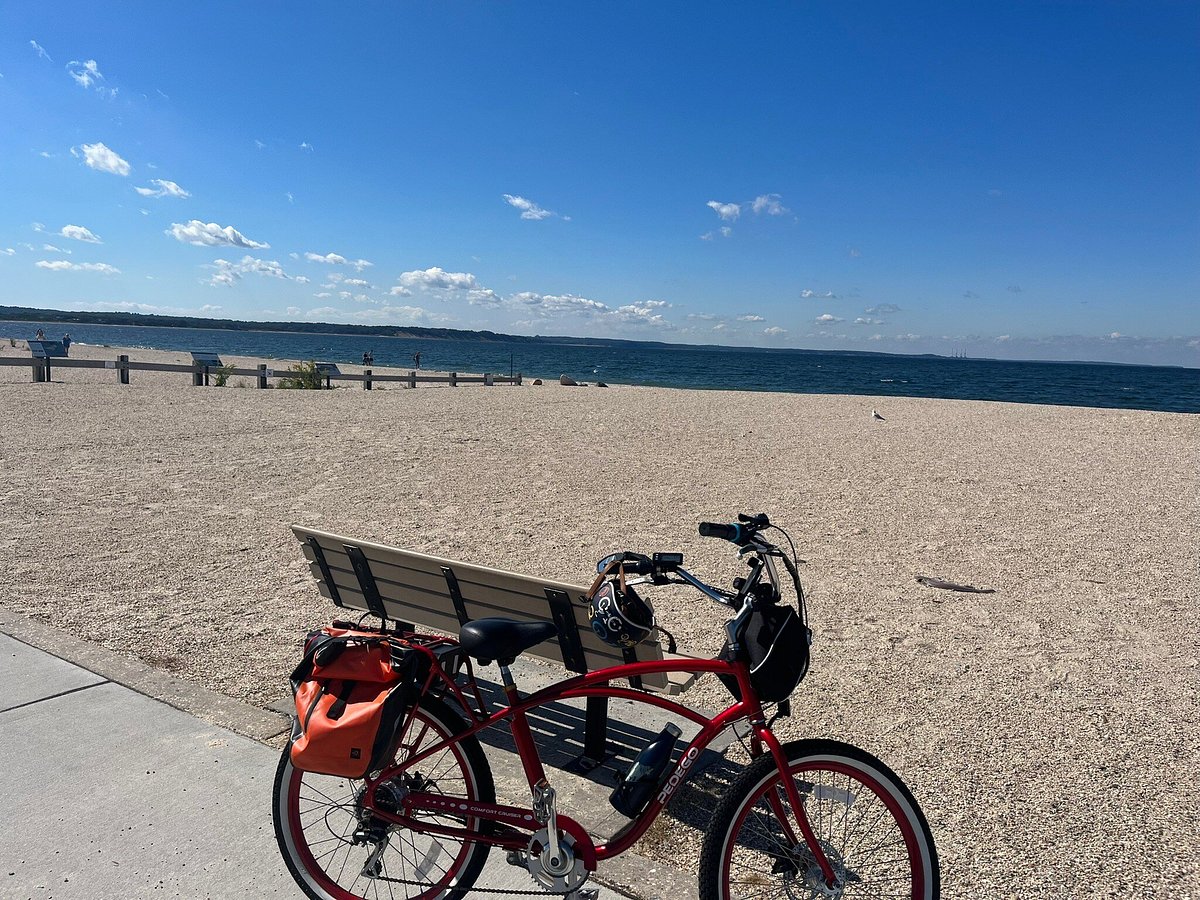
column 1004, row 179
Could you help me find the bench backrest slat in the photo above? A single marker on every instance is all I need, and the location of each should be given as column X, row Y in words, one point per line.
column 413, row 589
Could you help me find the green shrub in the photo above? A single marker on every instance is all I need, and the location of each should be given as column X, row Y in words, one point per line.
column 306, row 376
column 222, row 375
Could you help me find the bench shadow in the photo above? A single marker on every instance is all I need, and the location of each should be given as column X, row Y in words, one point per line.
column 558, row 730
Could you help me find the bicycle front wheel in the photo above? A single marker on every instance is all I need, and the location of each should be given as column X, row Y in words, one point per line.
column 866, row 821
column 335, row 848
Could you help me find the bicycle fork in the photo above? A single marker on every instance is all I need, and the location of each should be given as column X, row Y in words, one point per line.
column 765, row 736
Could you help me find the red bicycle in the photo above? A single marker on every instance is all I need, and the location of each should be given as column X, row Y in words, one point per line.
column 806, row 818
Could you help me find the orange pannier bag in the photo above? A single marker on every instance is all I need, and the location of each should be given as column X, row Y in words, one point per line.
column 352, row 691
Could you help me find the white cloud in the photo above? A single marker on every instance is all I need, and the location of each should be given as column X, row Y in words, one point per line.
column 399, row 291
column 750, row 317
column 293, row 310
column 357, row 282
column 529, row 209
column 50, row 248
column 483, row 297
column 437, row 278
column 726, row 231
column 62, row 265
column 827, row 319
column 882, row 309
column 1116, row 335
column 333, row 259
column 102, row 159
column 336, row 259
column 209, row 307
column 769, row 204
column 41, row 51
column 290, row 198
column 212, row 235
column 306, row 146
column 79, row 233
column 323, row 295
column 1002, row 338
column 259, row 144
column 855, row 252
column 867, row 320
column 229, row 273
column 808, row 293
column 774, row 331
column 642, row 314
column 728, row 212
column 8, row 251
column 546, row 305
column 163, row 189
column 720, row 326
column 85, row 73
column 704, row 317
column 301, row 279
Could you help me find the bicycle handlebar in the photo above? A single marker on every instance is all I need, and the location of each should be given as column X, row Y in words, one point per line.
column 741, row 532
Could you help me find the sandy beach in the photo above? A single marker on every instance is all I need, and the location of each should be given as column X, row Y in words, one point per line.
column 1050, row 730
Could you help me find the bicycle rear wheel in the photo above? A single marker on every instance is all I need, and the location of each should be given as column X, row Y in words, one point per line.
column 865, row 819
column 316, row 817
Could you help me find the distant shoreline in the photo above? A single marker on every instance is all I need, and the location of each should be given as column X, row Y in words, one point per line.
column 151, row 320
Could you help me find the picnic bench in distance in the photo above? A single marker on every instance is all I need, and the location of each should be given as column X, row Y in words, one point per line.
column 44, row 350
column 442, row 594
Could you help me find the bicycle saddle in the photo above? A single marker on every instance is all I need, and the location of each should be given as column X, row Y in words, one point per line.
column 502, row 639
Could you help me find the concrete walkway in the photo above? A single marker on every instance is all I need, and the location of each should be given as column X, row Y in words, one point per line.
column 109, row 793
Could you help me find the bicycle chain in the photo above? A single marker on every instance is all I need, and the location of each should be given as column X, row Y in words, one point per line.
column 478, row 890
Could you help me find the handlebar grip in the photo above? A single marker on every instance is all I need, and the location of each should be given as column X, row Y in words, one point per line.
column 731, row 533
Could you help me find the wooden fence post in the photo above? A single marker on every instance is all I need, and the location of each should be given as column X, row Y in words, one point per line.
column 518, row 379
column 197, row 374
column 487, row 379
column 412, row 379
column 123, row 368
column 453, row 379
column 366, row 379
column 262, row 375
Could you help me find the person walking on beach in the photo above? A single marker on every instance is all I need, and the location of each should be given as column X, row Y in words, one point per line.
column 40, row 336
column 368, row 358
column 66, row 343
column 417, row 360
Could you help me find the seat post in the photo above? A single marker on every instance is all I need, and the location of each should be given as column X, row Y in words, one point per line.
column 506, row 678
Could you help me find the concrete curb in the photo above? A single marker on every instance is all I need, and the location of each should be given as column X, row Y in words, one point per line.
column 208, row 706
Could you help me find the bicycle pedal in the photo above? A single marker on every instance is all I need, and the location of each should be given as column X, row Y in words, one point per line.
column 517, row 858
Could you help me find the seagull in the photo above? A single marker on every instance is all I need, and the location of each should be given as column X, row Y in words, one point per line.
column 875, row 415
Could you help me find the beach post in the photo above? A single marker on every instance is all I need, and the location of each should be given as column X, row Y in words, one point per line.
column 453, row 379
column 123, row 368
column 518, row 379
column 487, row 379
column 262, row 375
column 366, row 379
column 412, row 379
column 199, row 374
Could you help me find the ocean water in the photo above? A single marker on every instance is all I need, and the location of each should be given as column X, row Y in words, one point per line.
column 1164, row 388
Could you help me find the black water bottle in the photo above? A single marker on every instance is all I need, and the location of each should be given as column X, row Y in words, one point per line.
column 637, row 787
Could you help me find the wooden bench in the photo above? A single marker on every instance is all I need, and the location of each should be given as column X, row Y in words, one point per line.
column 442, row 595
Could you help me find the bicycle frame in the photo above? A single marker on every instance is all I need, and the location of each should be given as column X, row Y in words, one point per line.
column 509, row 827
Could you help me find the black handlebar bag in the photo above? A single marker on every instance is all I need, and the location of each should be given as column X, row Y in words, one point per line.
column 774, row 641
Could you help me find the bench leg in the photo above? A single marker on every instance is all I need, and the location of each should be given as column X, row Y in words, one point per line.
column 595, row 737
